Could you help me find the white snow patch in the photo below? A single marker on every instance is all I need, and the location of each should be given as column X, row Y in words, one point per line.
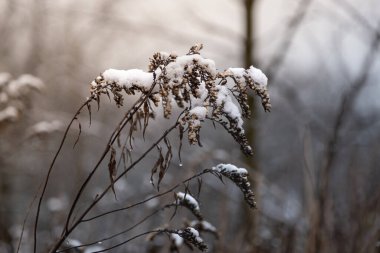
column 258, row 76
column 199, row 111
column 195, row 234
column 230, row 168
column 178, row 240
column 187, row 197
column 237, row 72
column 229, row 107
column 128, row 78
column 9, row 113
column 205, row 224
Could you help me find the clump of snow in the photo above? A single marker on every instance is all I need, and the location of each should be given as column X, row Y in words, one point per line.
column 230, row 168
column 237, row 72
column 45, row 127
column 199, row 111
column 177, row 240
column 186, row 197
column 254, row 73
column 175, row 70
column 10, row 113
column 258, row 76
column 195, row 234
column 22, row 85
column 229, row 107
column 128, row 78
column 205, row 225
column 194, row 231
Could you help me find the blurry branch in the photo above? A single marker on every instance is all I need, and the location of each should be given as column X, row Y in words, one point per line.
column 209, row 25
column 292, row 27
column 36, row 36
column 344, row 110
column 355, row 14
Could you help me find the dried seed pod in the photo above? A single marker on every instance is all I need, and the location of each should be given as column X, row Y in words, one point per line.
column 191, row 235
column 186, row 200
column 239, row 177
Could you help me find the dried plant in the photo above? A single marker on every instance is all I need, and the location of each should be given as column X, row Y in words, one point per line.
column 15, row 95
column 188, row 90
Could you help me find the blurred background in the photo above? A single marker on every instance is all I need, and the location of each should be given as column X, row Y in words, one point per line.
column 315, row 171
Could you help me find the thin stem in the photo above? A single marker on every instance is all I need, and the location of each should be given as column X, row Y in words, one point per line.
column 131, row 206
column 112, row 139
column 130, row 239
column 69, row 230
column 51, row 169
column 121, row 232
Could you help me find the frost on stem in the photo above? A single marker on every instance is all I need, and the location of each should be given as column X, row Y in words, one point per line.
column 239, row 177
column 193, row 82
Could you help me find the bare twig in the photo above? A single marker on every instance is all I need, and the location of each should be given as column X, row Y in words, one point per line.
column 344, row 109
column 51, row 169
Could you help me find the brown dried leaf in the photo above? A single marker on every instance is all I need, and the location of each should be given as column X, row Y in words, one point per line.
column 146, row 116
column 112, row 169
column 89, row 110
column 158, row 163
column 131, row 129
column 181, row 131
column 165, row 164
column 80, row 131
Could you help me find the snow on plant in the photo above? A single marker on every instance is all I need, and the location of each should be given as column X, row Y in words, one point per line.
column 189, row 81
column 188, row 201
column 191, row 235
column 240, row 177
column 193, row 89
column 15, row 95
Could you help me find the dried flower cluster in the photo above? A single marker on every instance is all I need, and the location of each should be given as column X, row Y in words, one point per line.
column 204, row 226
column 191, row 236
column 186, row 200
column 239, row 177
column 15, row 95
column 192, row 82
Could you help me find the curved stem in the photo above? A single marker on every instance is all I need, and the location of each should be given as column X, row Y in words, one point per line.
column 111, row 140
column 68, row 231
column 50, row 170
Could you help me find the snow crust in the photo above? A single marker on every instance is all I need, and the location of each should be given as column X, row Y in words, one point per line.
column 230, row 168
column 187, row 197
column 229, row 107
column 199, row 111
column 195, row 233
column 9, row 113
column 128, row 78
column 205, row 225
column 178, row 240
column 254, row 73
column 258, row 76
